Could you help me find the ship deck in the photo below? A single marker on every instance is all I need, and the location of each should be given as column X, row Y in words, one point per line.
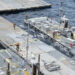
column 48, row 53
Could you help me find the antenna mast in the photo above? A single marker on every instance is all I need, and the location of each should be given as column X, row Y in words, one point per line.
column 61, row 12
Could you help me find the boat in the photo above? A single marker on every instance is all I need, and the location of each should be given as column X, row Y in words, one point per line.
column 61, row 32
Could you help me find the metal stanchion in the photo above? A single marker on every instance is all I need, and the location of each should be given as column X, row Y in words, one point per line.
column 27, row 47
column 8, row 70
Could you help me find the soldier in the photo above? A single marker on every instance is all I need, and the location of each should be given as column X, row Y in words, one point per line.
column 26, row 16
column 14, row 25
column 53, row 34
column 17, row 46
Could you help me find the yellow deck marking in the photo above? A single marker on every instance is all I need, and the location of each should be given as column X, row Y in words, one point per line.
column 11, row 62
column 65, row 62
column 1, row 51
column 15, row 73
column 26, row 73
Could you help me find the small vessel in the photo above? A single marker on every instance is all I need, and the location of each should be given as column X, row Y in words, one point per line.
column 61, row 32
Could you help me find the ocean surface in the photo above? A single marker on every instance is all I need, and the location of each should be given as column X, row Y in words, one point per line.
column 68, row 7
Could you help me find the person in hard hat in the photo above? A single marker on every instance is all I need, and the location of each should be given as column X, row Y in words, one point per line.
column 53, row 34
column 14, row 25
column 66, row 24
column 26, row 16
column 17, row 46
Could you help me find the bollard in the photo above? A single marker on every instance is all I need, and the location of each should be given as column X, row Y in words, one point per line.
column 34, row 69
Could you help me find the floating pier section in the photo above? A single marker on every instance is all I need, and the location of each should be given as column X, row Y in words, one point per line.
column 13, row 5
column 39, row 25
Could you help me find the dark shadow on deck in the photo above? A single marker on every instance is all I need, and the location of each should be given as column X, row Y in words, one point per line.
column 15, row 11
column 2, row 47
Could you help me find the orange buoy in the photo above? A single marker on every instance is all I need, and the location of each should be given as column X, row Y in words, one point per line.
column 71, row 45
